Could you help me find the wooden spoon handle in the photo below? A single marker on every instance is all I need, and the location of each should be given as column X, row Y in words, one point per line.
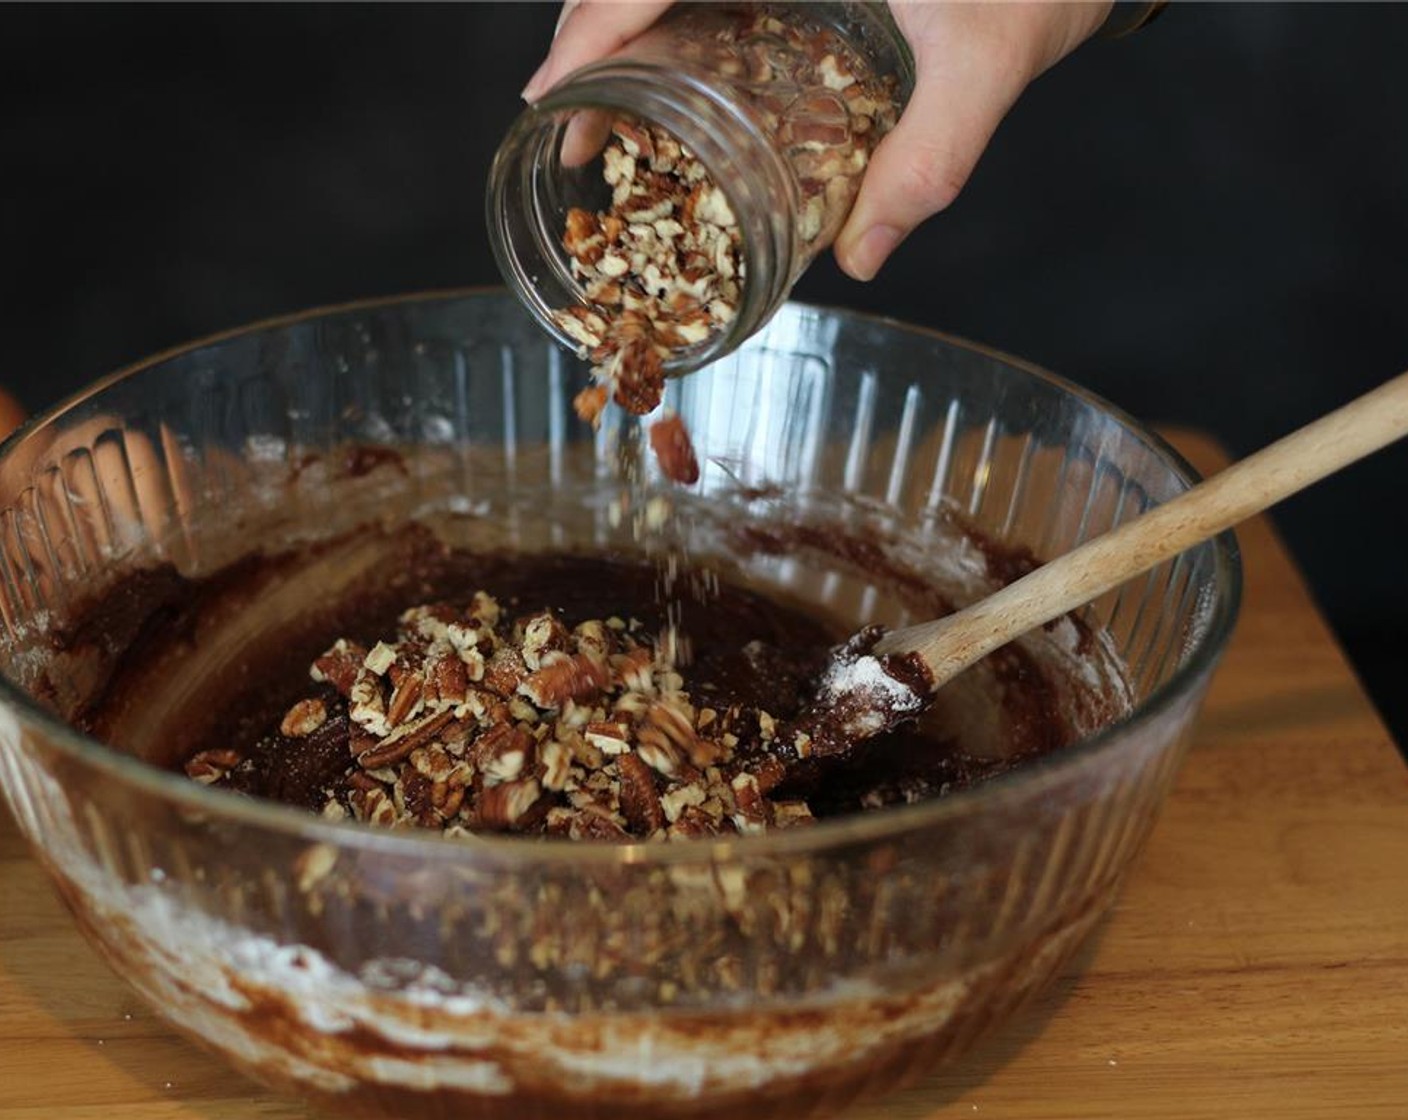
column 1293, row 462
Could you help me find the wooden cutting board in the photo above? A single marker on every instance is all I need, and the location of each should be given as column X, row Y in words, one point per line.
column 1255, row 966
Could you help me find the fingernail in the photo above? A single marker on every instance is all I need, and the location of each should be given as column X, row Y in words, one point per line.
column 875, row 244
column 533, row 90
column 562, row 15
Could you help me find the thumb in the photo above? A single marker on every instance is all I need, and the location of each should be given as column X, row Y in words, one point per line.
column 919, row 168
column 588, row 30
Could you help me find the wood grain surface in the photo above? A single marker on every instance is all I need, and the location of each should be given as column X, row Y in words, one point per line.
column 1255, row 966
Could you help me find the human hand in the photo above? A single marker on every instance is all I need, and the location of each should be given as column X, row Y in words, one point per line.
column 972, row 62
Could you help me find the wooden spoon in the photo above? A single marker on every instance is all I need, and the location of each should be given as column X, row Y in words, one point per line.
column 866, row 691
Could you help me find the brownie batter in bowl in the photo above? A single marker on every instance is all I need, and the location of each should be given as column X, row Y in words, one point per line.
column 582, row 699
column 438, row 887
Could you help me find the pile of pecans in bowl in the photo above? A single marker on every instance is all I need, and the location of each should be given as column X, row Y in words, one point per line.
column 467, row 722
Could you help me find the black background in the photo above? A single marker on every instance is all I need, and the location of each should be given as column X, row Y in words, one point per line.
column 1206, row 222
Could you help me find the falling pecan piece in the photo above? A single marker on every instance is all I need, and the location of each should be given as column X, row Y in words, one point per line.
column 670, row 441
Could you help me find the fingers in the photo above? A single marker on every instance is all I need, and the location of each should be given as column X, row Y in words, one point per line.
column 584, row 137
column 919, row 168
column 567, row 6
column 589, row 30
column 972, row 61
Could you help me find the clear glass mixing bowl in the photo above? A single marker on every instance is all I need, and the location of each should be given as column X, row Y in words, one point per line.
column 400, row 974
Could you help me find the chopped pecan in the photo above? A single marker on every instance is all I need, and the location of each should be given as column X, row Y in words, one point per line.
column 582, row 229
column 670, row 441
column 505, row 671
column 590, row 402
column 366, row 706
column 634, row 669
column 403, row 740
column 609, row 736
column 362, row 782
column 752, row 812
column 210, row 766
column 446, row 679
column 790, row 814
column 339, row 666
column 576, row 677
column 433, row 761
column 446, row 799
column 303, row 718
column 416, row 792
column 640, row 803
column 639, row 377
column 484, row 609
column 376, row 807
column 380, row 658
column 662, row 755
column 679, row 798
column 589, row 823
column 543, row 633
column 504, row 753
column 555, row 758
column 508, row 804
column 673, row 720
column 768, row 771
column 593, row 638
column 497, row 738
column 405, row 698
column 635, row 140
column 691, row 823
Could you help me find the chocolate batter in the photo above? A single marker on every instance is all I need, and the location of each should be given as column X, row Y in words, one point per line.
column 764, row 758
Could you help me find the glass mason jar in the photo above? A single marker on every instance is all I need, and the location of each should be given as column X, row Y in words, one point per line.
column 781, row 104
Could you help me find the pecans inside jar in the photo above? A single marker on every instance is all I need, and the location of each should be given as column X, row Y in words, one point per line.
column 735, row 143
column 820, row 99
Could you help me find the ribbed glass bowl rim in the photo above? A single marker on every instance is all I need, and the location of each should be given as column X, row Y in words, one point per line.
column 988, row 798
